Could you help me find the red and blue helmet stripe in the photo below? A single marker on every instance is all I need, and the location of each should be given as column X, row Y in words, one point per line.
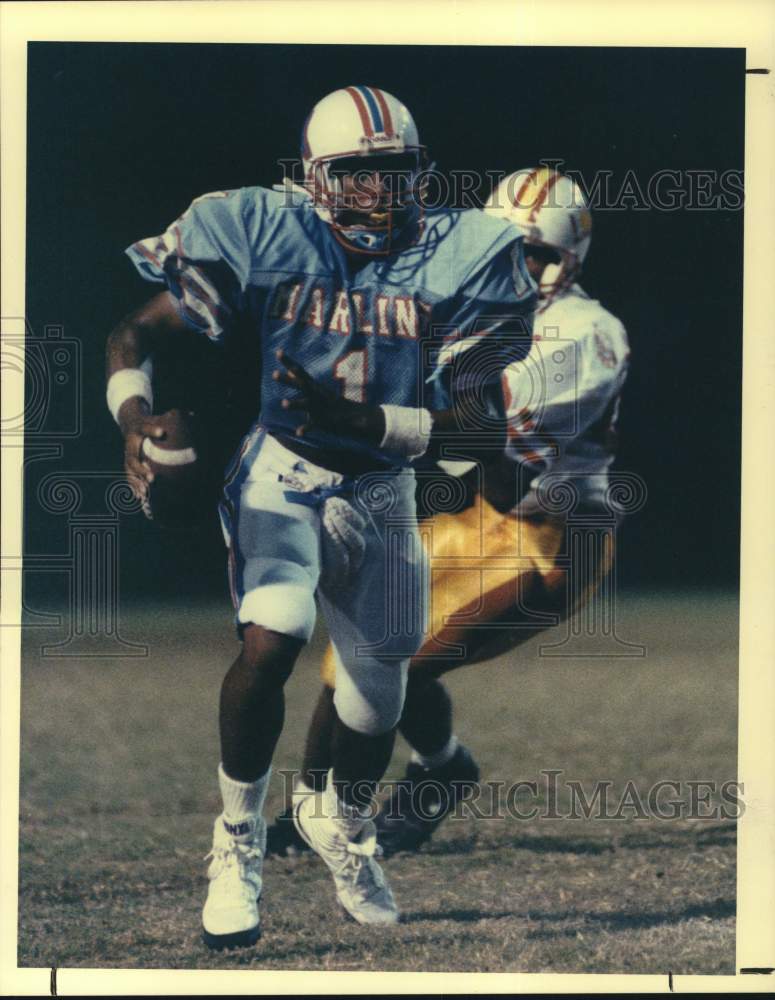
column 373, row 110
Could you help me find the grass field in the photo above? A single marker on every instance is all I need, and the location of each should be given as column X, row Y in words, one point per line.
column 118, row 795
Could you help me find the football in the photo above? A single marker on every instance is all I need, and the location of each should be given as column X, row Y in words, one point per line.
column 177, row 469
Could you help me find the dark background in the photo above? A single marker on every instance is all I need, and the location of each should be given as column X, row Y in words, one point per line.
column 121, row 137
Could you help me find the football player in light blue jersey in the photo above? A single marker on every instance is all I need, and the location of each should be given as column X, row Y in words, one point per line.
column 369, row 313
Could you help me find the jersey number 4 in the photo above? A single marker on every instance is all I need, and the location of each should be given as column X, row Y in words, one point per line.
column 352, row 371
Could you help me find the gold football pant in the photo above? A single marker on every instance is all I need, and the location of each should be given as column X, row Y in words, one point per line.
column 497, row 580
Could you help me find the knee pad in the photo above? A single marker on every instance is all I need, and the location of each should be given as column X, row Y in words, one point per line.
column 282, row 607
column 369, row 696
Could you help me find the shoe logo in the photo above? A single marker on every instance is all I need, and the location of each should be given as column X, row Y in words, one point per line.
column 237, row 829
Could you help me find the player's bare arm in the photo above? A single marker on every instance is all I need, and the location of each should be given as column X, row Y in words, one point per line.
column 128, row 346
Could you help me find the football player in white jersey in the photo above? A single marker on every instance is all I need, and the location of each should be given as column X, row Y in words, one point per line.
column 562, row 402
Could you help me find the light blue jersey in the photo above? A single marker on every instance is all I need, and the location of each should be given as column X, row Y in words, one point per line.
column 373, row 332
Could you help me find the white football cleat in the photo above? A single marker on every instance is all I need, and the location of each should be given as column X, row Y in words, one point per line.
column 360, row 883
column 230, row 917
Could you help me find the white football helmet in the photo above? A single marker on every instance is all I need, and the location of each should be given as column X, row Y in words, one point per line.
column 344, row 134
column 551, row 212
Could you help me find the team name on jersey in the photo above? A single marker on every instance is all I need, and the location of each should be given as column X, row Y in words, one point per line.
column 341, row 312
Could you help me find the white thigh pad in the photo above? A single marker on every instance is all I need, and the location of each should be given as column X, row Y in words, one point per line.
column 344, row 544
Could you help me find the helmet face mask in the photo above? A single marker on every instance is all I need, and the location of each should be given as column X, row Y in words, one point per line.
column 558, row 269
column 362, row 167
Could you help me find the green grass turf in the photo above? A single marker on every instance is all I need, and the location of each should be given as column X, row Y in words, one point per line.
column 118, row 795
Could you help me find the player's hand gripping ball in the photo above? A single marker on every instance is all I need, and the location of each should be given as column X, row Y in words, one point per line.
column 174, row 461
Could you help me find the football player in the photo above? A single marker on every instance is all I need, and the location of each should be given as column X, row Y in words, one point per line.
column 340, row 282
column 500, row 572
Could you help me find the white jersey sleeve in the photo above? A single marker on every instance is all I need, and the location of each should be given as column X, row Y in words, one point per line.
column 562, row 399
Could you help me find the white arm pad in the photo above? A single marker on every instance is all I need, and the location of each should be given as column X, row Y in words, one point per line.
column 407, row 430
column 128, row 382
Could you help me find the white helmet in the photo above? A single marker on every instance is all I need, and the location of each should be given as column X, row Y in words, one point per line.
column 551, row 211
column 363, row 122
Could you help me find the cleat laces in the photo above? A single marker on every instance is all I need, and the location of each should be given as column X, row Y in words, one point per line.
column 356, row 871
column 238, row 859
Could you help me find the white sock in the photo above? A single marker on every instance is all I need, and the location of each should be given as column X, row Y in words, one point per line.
column 439, row 758
column 242, row 800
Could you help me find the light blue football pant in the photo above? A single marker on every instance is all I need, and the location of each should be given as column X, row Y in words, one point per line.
column 273, row 526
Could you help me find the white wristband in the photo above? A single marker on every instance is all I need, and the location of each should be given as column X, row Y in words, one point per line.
column 129, row 382
column 407, row 430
